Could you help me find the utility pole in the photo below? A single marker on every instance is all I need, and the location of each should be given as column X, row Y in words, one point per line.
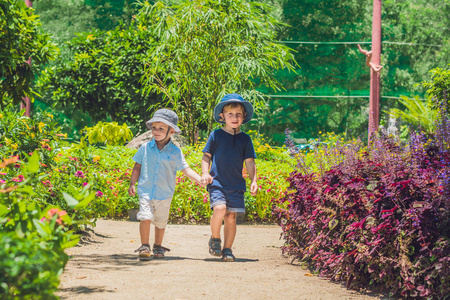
column 26, row 99
column 374, row 104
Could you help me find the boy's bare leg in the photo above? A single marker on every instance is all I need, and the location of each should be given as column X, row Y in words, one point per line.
column 159, row 234
column 216, row 220
column 229, row 229
column 144, row 231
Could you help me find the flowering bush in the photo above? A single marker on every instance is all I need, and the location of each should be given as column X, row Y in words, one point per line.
column 102, row 175
column 20, row 135
column 378, row 217
column 103, row 172
column 32, row 240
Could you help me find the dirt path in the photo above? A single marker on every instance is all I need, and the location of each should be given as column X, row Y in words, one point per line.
column 105, row 267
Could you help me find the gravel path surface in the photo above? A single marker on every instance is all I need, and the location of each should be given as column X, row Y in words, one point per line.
column 105, row 267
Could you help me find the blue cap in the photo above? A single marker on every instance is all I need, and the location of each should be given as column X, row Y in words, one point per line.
column 230, row 98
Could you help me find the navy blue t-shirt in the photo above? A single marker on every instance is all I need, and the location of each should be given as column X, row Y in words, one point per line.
column 228, row 158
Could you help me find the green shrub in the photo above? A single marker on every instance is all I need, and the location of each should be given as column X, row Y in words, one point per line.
column 108, row 133
column 32, row 239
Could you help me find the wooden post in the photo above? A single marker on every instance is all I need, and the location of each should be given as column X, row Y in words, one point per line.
column 26, row 103
column 374, row 104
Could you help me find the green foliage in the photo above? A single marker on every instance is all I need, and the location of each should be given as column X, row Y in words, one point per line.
column 103, row 78
column 439, row 87
column 32, row 239
column 109, row 133
column 63, row 19
column 206, row 49
column 421, row 115
column 20, row 135
column 21, row 39
column 111, row 13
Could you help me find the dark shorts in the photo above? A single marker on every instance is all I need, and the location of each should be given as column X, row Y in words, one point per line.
column 233, row 199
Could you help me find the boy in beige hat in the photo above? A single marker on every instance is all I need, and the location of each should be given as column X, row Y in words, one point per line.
column 157, row 163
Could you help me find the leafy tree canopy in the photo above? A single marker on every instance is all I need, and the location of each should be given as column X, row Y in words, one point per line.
column 207, row 48
column 439, row 87
column 21, row 39
column 103, row 79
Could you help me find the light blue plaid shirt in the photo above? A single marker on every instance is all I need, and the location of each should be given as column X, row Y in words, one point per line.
column 158, row 170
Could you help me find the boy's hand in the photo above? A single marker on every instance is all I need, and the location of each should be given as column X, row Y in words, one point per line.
column 132, row 190
column 206, row 179
column 253, row 188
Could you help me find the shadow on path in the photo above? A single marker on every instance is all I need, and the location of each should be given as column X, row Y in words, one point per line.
column 89, row 236
column 119, row 261
column 83, row 290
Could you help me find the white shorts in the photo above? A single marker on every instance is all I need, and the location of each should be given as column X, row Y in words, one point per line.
column 156, row 211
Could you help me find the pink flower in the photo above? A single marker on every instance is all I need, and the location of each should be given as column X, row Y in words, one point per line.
column 79, row 174
column 55, row 211
column 99, row 194
column 18, row 179
column 2, row 181
column 85, row 183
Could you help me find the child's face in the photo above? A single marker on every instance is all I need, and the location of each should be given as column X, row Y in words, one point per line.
column 159, row 131
column 233, row 116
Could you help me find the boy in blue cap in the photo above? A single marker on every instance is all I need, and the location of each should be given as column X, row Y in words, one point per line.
column 157, row 163
column 228, row 149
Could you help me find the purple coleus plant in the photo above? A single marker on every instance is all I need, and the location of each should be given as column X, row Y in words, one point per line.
column 380, row 218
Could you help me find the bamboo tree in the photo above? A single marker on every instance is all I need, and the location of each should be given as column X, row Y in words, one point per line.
column 207, row 48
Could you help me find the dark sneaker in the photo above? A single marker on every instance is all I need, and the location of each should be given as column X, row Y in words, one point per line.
column 227, row 255
column 215, row 247
column 158, row 251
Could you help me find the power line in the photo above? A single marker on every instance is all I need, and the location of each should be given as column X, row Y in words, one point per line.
column 350, row 43
column 328, row 96
column 323, row 43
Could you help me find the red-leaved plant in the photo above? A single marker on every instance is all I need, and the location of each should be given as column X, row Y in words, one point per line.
column 380, row 217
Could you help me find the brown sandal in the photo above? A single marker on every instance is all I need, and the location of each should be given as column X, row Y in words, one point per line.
column 144, row 252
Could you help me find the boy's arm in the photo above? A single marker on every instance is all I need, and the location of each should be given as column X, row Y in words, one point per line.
column 134, row 178
column 251, row 171
column 192, row 175
column 206, row 177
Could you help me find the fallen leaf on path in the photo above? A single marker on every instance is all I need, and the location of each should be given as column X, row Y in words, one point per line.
column 132, row 241
column 309, row 274
column 81, row 277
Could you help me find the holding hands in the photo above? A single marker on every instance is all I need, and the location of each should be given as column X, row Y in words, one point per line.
column 206, row 179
